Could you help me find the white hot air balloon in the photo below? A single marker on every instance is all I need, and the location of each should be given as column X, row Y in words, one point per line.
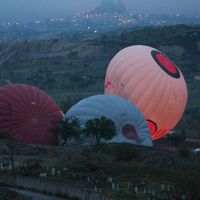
column 129, row 121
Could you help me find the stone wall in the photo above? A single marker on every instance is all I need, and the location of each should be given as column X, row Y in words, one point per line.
column 51, row 187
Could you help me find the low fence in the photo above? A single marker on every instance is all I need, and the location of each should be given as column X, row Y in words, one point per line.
column 50, row 187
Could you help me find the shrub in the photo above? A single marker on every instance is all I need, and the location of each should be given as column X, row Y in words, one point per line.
column 124, row 152
column 188, row 186
column 4, row 135
column 183, row 152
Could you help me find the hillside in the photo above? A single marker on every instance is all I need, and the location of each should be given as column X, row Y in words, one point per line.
column 128, row 165
column 76, row 70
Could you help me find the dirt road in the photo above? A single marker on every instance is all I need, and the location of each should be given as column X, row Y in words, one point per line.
column 36, row 195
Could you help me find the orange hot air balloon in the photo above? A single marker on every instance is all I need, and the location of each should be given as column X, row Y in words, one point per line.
column 152, row 82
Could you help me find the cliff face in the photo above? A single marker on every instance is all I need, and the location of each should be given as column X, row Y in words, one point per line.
column 111, row 6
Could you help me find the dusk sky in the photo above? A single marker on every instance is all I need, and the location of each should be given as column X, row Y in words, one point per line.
column 27, row 10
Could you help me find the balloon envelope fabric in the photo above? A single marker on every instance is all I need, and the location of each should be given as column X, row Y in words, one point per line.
column 28, row 113
column 130, row 123
column 152, row 82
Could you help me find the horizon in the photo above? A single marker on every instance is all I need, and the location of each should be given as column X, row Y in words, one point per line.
column 38, row 10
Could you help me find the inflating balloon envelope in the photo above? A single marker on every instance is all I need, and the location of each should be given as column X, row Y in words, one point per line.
column 131, row 125
column 28, row 113
column 152, row 82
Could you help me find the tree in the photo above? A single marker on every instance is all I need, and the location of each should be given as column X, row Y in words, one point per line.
column 188, row 186
column 183, row 151
column 4, row 135
column 176, row 139
column 68, row 128
column 100, row 128
column 124, row 152
column 8, row 135
column 70, row 102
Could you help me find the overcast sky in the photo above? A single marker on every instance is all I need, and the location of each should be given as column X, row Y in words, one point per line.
column 27, row 10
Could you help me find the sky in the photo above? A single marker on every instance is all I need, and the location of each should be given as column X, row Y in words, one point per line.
column 28, row 10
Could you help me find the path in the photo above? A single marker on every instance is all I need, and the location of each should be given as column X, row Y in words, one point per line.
column 35, row 195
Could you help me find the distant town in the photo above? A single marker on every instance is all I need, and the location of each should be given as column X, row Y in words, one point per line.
column 108, row 17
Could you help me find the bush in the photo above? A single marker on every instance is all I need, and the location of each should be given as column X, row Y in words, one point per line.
column 73, row 55
column 4, row 135
column 124, row 152
column 188, row 186
column 176, row 139
column 33, row 168
column 183, row 152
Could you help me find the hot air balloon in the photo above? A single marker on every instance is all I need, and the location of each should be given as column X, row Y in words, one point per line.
column 152, row 82
column 28, row 113
column 131, row 125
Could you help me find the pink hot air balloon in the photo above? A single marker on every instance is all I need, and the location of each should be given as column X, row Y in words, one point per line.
column 29, row 113
column 151, row 81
